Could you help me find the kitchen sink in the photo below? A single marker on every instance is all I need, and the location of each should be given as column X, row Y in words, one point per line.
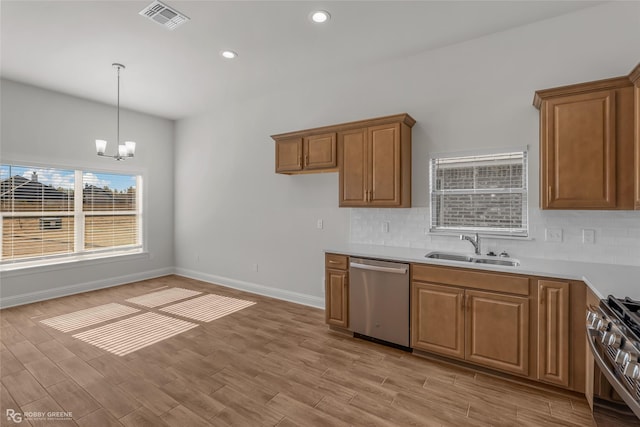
column 448, row 256
column 497, row 261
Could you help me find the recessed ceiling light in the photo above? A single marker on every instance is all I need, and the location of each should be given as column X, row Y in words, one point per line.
column 228, row 54
column 320, row 16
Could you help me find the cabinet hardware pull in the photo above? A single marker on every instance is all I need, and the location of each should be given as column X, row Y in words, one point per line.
column 306, row 160
column 549, row 191
column 462, row 303
column 333, row 262
column 468, row 303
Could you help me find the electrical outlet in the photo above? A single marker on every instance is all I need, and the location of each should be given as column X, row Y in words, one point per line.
column 588, row 236
column 553, row 235
column 319, row 224
column 385, row 227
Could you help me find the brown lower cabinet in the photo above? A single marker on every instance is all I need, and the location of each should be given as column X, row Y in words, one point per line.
column 337, row 290
column 553, row 332
column 430, row 305
column 486, row 328
column 497, row 331
column 528, row 326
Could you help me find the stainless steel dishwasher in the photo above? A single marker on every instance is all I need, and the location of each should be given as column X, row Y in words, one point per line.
column 379, row 300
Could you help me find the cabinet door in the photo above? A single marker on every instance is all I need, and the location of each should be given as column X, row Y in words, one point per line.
column 497, row 331
column 320, row 151
column 352, row 147
column 289, row 155
column 337, row 298
column 553, row 332
column 578, row 151
column 437, row 319
column 384, row 160
column 637, row 141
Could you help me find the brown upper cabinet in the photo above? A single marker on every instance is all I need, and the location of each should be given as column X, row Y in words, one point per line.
column 587, row 134
column 316, row 153
column 372, row 157
column 375, row 164
column 635, row 78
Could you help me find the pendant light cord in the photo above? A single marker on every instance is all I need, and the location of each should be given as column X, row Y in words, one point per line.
column 118, row 125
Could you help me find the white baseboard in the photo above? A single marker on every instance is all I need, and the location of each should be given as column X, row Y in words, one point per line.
column 282, row 294
column 81, row 287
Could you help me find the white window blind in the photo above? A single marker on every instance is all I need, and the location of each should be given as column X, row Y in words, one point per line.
column 481, row 193
column 49, row 213
column 109, row 204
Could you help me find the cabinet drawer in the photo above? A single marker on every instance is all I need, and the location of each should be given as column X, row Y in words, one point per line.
column 507, row 283
column 340, row 262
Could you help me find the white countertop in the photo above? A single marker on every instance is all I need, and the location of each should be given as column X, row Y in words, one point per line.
column 603, row 279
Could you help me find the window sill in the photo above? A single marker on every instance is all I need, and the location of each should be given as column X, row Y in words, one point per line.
column 482, row 235
column 40, row 266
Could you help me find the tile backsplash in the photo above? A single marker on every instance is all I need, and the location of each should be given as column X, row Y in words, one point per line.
column 616, row 234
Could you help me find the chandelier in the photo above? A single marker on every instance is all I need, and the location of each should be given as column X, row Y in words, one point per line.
column 126, row 150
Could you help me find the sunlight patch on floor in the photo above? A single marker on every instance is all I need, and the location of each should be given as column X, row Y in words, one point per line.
column 132, row 334
column 88, row 317
column 208, row 307
column 156, row 299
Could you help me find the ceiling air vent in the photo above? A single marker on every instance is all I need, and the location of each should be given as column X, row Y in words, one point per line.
column 164, row 15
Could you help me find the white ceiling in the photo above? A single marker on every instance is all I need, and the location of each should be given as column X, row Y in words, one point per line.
column 68, row 46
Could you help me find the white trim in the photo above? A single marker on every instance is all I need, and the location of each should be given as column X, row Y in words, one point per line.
column 38, row 267
column 281, row 294
column 81, row 287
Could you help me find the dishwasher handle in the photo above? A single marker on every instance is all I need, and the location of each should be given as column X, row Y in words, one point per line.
column 399, row 270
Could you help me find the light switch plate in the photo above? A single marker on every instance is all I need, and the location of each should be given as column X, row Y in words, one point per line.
column 320, row 224
column 385, row 227
column 553, row 234
column 588, row 236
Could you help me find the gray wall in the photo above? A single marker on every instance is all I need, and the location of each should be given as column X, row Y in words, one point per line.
column 236, row 212
column 49, row 128
column 230, row 211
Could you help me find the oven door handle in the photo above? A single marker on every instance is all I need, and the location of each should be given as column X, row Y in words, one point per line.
column 610, row 375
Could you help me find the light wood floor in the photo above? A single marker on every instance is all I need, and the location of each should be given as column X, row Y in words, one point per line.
column 274, row 363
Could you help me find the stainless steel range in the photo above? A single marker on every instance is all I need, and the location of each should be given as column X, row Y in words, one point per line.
column 614, row 336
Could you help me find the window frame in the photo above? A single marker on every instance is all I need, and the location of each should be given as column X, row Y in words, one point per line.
column 79, row 214
column 506, row 232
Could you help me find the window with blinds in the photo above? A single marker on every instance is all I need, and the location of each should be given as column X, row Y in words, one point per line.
column 49, row 213
column 109, row 204
column 482, row 193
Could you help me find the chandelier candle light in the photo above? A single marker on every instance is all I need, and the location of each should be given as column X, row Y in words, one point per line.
column 125, row 150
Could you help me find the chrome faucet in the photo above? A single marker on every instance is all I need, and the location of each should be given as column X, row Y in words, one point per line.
column 475, row 241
